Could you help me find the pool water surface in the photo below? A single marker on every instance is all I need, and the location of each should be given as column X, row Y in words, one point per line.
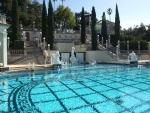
column 77, row 89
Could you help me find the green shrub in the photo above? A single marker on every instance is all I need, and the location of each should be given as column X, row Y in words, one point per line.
column 123, row 45
column 19, row 45
column 112, row 39
column 144, row 45
column 133, row 44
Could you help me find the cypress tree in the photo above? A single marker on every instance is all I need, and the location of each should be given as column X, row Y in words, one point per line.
column 82, row 26
column 93, row 29
column 117, row 26
column 104, row 28
column 50, row 38
column 15, row 22
column 44, row 22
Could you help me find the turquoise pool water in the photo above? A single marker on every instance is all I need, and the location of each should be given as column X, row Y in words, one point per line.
column 77, row 89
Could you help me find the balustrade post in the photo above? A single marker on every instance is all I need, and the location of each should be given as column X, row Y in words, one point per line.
column 48, row 50
column 139, row 47
column 106, row 45
column 98, row 39
column 44, row 43
column 119, row 47
column 102, row 41
column 127, row 47
column 109, row 40
column 117, row 53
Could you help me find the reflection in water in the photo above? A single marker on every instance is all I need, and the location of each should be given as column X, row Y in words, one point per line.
column 3, row 83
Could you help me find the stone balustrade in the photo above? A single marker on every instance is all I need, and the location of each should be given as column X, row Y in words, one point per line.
column 16, row 52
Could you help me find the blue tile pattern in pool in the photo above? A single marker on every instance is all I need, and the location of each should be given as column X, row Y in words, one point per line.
column 77, row 89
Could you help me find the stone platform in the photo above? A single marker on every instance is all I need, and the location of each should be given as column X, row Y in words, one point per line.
column 3, row 69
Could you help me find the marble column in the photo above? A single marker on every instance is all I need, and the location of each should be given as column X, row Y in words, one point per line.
column 3, row 46
column 3, row 40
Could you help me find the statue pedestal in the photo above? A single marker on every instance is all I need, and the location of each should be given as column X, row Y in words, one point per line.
column 133, row 63
column 56, row 66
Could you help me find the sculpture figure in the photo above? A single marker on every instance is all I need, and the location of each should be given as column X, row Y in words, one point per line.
column 73, row 59
column 56, row 59
column 72, row 51
column 133, row 57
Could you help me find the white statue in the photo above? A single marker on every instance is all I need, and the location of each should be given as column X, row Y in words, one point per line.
column 56, row 59
column 133, row 57
column 72, row 51
column 73, row 59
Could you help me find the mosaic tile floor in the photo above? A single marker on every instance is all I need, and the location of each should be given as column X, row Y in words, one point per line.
column 99, row 89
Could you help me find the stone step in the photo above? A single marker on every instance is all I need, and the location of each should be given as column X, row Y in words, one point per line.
column 34, row 55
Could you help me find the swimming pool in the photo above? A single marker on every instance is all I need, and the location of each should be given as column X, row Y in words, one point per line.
column 77, row 89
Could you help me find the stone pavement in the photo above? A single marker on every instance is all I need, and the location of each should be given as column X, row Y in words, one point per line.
column 34, row 55
column 13, row 68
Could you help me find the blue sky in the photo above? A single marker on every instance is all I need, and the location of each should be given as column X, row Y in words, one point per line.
column 132, row 12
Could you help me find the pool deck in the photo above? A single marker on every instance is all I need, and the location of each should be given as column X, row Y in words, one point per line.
column 127, row 62
column 13, row 68
column 121, row 62
column 26, row 67
column 142, row 62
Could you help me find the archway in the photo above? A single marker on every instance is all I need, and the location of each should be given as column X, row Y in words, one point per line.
column 28, row 36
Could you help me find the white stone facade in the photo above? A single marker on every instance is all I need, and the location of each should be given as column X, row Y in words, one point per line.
column 3, row 40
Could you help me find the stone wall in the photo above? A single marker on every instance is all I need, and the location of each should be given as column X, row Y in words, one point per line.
column 99, row 56
column 66, row 47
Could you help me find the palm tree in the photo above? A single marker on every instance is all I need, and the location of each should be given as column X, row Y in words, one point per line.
column 54, row 4
column 109, row 12
column 62, row 2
